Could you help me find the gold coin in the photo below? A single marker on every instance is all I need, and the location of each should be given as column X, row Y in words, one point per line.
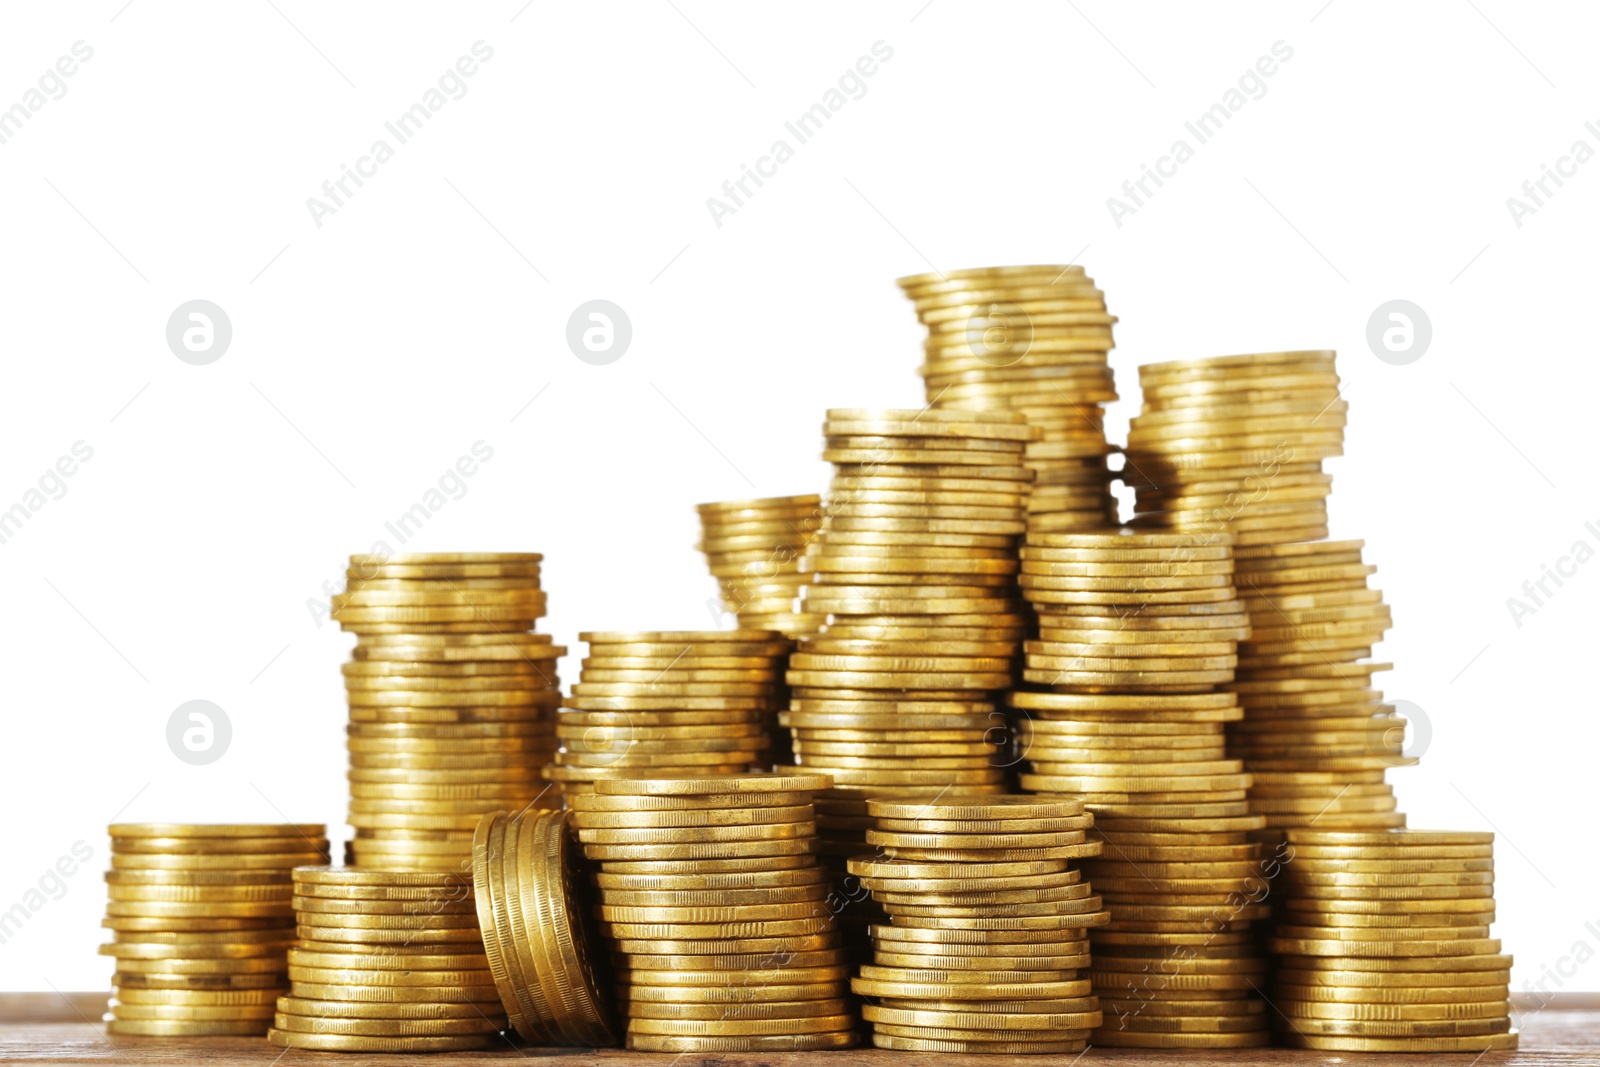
column 185, row 1027
column 845, row 1038
column 329, row 1042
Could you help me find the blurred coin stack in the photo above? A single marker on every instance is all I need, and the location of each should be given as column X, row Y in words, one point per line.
column 452, row 701
column 1385, row 944
column 1136, row 631
column 536, row 931
column 754, row 548
column 202, row 921
column 1031, row 340
column 986, row 946
column 717, row 913
column 1235, row 444
column 916, row 566
column 1316, row 737
column 387, row 961
column 669, row 703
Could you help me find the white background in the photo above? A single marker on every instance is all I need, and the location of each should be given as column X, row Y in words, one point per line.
column 430, row 310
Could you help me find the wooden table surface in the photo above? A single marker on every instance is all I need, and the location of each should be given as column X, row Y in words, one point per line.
column 63, row 1028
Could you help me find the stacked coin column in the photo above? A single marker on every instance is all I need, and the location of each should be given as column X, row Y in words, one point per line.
column 536, row 930
column 916, row 566
column 452, row 701
column 1316, row 737
column 1136, row 631
column 1386, row 947
column 754, row 548
column 1235, row 444
column 665, row 703
column 986, row 947
column 387, row 961
column 1031, row 340
column 202, row 922
column 716, row 912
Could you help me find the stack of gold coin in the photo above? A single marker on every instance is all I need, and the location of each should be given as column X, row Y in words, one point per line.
column 1031, row 340
column 536, row 929
column 916, row 565
column 387, row 961
column 1235, row 444
column 719, row 919
column 1385, row 947
column 452, row 701
column 986, row 943
column 202, row 921
column 1316, row 736
column 664, row 703
column 1136, row 631
column 754, row 548
column 1130, row 612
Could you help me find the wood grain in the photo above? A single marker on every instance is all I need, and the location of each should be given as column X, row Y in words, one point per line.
column 63, row 1028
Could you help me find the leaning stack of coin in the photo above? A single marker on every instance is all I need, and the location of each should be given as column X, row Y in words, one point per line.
column 1236, row 444
column 716, row 912
column 1385, row 944
column 664, row 703
column 387, row 961
column 202, row 920
column 536, row 929
column 1032, row 340
column 1136, row 631
column 986, row 943
column 754, row 548
column 452, row 701
column 1316, row 736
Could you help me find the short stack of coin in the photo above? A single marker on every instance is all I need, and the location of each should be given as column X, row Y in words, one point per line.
column 1136, row 631
column 717, row 913
column 1031, row 340
column 754, row 548
column 452, row 701
column 1385, row 947
column 387, row 961
column 986, row 946
column 1236, row 444
column 1316, row 736
column 536, row 929
column 664, row 703
column 916, row 566
column 202, row 920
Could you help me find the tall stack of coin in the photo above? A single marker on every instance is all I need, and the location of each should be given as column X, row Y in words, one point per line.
column 916, row 566
column 452, row 701
column 1316, row 737
column 387, row 961
column 1235, row 444
column 202, row 921
column 663, row 703
column 717, row 913
column 1032, row 340
column 754, row 548
column 1385, row 946
column 986, row 943
column 536, row 930
column 1136, row 631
